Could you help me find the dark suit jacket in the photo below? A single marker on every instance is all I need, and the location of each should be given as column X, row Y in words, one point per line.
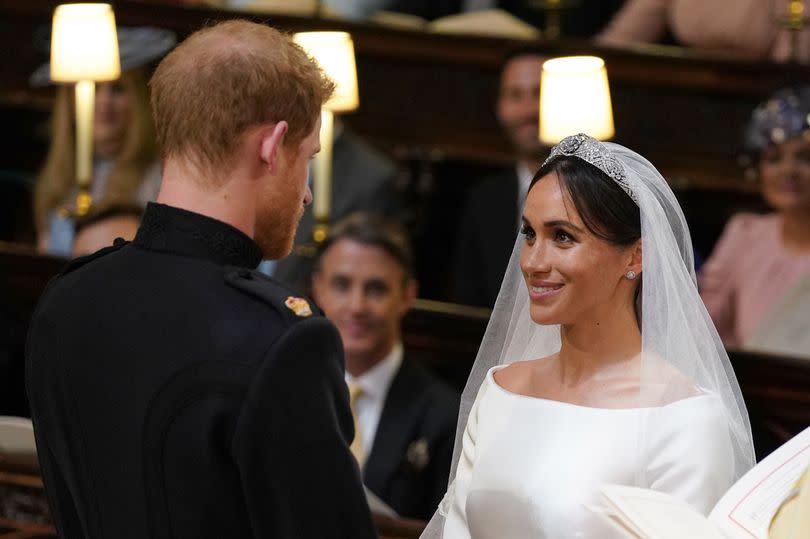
column 175, row 394
column 485, row 238
column 409, row 463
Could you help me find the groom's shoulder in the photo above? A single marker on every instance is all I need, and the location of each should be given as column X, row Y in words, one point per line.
column 254, row 287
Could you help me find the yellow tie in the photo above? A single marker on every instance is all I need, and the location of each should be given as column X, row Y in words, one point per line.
column 357, row 444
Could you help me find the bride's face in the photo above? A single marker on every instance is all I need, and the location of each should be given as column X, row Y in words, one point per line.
column 570, row 273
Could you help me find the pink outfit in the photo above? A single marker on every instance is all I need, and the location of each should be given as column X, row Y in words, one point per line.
column 736, row 27
column 747, row 273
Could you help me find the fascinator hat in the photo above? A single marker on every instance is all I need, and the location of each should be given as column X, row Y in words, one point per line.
column 785, row 115
column 681, row 352
column 137, row 46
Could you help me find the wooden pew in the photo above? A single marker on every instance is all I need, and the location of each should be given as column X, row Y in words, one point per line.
column 24, row 510
column 776, row 390
column 23, row 506
column 445, row 337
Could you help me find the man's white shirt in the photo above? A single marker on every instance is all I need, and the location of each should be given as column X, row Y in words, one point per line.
column 375, row 384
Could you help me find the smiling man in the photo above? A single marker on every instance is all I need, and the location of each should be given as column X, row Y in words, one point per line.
column 405, row 418
column 491, row 216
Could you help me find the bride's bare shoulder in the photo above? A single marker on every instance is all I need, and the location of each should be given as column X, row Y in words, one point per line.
column 517, row 377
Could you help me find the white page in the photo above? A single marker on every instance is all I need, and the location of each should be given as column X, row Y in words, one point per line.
column 657, row 515
column 747, row 508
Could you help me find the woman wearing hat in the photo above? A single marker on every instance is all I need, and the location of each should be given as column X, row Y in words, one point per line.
column 126, row 169
column 760, row 257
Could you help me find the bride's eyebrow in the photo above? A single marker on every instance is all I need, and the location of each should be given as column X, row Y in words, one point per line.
column 566, row 224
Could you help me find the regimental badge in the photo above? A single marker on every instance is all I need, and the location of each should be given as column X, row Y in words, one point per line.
column 299, row 306
column 418, row 454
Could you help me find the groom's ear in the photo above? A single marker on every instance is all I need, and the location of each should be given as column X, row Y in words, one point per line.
column 635, row 262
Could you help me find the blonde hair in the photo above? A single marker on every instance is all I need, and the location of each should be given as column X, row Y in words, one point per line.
column 57, row 178
column 227, row 78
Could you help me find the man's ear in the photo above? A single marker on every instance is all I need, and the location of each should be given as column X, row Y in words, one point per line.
column 410, row 294
column 270, row 144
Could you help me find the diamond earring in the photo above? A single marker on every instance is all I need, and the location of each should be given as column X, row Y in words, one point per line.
column 630, row 275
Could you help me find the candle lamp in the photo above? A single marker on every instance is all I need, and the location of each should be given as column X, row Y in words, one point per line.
column 84, row 50
column 575, row 98
column 334, row 52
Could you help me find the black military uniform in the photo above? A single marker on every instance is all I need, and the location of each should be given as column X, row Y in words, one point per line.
column 176, row 393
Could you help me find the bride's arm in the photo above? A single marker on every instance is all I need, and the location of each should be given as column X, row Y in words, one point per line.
column 690, row 456
column 456, row 519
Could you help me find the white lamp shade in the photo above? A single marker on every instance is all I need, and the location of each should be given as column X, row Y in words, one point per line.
column 84, row 43
column 575, row 98
column 334, row 52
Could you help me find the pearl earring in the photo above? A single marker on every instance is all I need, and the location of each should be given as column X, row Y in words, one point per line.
column 630, row 275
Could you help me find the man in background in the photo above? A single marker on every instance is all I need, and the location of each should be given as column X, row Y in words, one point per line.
column 405, row 417
column 362, row 180
column 491, row 216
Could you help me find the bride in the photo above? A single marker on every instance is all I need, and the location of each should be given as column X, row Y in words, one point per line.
column 585, row 376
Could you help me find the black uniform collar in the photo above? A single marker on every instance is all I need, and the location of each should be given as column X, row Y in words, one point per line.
column 169, row 229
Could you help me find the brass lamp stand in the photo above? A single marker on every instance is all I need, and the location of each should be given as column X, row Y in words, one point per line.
column 84, row 49
column 553, row 9
column 334, row 52
column 794, row 21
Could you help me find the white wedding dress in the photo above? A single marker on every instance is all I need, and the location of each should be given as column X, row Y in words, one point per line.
column 531, row 467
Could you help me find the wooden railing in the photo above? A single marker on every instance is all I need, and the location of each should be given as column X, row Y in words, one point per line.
column 446, row 338
column 24, row 512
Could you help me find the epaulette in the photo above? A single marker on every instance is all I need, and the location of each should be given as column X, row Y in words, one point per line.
column 290, row 305
column 76, row 263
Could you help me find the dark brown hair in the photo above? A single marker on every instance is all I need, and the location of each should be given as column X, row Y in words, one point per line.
column 374, row 230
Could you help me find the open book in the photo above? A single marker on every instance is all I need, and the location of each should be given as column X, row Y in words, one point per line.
column 744, row 512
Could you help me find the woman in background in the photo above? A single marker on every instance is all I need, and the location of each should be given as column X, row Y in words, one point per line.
column 739, row 28
column 126, row 168
column 759, row 258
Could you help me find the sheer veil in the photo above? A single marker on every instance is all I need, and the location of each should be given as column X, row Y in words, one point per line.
column 681, row 351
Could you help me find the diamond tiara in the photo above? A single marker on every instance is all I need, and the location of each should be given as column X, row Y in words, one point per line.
column 595, row 153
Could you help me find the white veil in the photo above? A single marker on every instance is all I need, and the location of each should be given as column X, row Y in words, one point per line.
column 679, row 340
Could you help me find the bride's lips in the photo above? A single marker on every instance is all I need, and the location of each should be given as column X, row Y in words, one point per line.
column 543, row 289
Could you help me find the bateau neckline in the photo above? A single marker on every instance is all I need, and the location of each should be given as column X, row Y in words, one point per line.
column 563, row 404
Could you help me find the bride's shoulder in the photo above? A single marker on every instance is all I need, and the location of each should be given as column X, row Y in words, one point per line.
column 517, row 377
column 665, row 383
